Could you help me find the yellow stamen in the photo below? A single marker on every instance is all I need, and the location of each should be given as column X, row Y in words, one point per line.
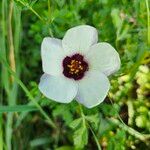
column 75, row 67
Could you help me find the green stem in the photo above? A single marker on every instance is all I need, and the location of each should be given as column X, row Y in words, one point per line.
column 51, row 123
column 42, row 19
column 95, row 137
column 30, row 8
column 148, row 21
column 130, row 130
column 49, row 17
column 49, row 10
column 84, row 120
column 142, row 137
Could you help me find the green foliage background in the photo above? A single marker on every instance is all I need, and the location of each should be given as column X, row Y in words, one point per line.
column 30, row 121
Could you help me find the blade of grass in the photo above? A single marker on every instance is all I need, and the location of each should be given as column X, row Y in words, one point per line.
column 10, row 38
column 13, row 88
column 17, row 108
column 4, row 72
column 5, row 76
column 1, row 133
column 29, row 95
column 22, row 115
column 148, row 22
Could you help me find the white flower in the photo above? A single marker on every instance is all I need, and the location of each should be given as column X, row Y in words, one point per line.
column 77, row 67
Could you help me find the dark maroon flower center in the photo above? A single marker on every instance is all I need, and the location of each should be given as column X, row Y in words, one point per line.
column 74, row 66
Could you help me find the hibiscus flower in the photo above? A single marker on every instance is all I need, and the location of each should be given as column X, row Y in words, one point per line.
column 77, row 67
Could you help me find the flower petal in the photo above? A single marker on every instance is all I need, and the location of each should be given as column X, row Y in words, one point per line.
column 58, row 88
column 93, row 89
column 103, row 57
column 79, row 39
column 52, row 56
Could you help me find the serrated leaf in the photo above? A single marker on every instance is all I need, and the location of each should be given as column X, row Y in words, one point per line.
column 120, row 137
column 45, row 102
column 80, row 137
column 65, row 112
column 93, row 119
column 74, row 124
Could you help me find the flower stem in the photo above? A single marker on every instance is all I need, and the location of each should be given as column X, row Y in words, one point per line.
column 49, row 10
column 86, row 122
column 95, row 137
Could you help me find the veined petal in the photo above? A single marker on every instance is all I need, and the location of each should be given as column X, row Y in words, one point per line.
column 52, row 56
column 104, row 58
column 79, row 39
column 93, row 89
column 58, row 88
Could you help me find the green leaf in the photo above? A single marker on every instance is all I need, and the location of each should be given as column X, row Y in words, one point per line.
column 141, row 121
column 116, row 18
column 93, row 119
column 65, row 148
column 110, row 110
column 74, row 124
column 39, row 141
column 80, row 137
column 120, row 137
column 66, row 115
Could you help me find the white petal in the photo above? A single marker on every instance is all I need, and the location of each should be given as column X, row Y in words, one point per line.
column 52, row 56
column 93, row 89
column 103, row 57
column 79, row 39
column 58, row 88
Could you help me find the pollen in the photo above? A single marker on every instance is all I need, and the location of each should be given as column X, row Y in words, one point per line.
column 75, row 66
